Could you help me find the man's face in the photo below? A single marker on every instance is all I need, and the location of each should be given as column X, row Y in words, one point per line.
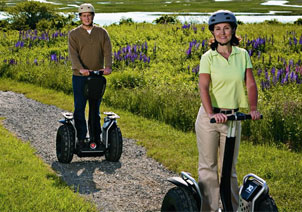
column 87, row 18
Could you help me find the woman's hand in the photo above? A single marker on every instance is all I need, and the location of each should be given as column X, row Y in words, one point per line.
column 219, row 117
column 255, row 114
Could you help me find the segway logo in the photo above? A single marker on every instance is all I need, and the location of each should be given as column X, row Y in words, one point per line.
column 249, row 189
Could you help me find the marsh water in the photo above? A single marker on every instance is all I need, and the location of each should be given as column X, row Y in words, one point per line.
column 189, row 17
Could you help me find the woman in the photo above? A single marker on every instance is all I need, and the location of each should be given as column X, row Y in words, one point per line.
column 225, row 73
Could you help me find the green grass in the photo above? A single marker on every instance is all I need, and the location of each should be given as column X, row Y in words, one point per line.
column 178, row 6
column 177, row 150
column 27, row 184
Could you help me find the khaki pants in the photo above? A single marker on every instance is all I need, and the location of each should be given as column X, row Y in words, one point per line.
column 210, row 142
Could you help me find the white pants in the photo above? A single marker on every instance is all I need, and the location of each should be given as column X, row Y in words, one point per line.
column 211, row 142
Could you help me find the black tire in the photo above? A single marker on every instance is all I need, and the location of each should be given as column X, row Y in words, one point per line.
column 65, row 143
column 266, row 203
column 115, row 142
column 179, row 199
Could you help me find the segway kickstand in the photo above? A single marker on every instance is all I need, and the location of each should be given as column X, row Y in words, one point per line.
column 225, row 184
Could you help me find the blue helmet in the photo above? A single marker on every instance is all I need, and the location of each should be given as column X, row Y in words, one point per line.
column 222, row 16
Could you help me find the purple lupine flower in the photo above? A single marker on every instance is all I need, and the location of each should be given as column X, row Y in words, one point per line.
column 292, row 76
column 259, row 71
column 35, row 61
column 262, row 85
column 195, row 29
column 19, row 44
column 189, row 51
column 266, row 75
column 12, row 62
column 287, row 68
column 286, row 77
column 203, row 43
column 300, row 40
column 279, row 74
column 295, row 41
column 53, row 57
column 195, row 69
column 273, row 71
column 274, row 80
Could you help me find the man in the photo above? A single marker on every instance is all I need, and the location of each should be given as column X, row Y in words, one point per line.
column 89, row 49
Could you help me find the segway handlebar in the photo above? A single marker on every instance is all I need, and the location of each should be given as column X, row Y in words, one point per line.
column 237, row 117
column 95, row 73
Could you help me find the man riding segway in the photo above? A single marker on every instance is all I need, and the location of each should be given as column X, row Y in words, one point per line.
column 89, row 49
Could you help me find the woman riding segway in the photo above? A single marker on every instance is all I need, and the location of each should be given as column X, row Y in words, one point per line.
column 225, row 70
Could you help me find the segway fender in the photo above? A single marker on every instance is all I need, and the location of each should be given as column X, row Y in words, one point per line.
column 186, row 181
column 178, row 181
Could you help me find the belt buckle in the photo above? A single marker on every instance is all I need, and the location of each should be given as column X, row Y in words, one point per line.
column 227, row 111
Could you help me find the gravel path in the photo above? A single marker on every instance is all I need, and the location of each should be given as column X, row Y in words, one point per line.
column 136, row 183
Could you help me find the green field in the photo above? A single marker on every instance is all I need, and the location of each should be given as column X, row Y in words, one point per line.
column 177, row 6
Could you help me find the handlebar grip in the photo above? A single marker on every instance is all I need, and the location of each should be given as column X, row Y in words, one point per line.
column 237, row 116
column 96, row 73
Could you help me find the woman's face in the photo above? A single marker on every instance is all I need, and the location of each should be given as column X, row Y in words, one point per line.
column 223, row 33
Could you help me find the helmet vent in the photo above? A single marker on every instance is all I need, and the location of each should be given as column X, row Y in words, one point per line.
column 227, row 18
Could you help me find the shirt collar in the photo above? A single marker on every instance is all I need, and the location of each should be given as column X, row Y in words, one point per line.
column 234, row 51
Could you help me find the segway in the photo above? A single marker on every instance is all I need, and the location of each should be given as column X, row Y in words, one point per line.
column 253, row 194
column 110, row 138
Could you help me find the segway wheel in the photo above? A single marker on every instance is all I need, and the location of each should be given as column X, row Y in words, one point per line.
column 115, row 141
column 179, row 199
column 65, row 143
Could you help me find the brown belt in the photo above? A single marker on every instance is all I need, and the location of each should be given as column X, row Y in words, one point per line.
column 225, row 111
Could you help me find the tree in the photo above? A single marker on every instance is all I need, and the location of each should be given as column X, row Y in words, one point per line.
column 27, row 14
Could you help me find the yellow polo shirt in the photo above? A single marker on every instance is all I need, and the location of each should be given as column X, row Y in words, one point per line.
column 227, row 86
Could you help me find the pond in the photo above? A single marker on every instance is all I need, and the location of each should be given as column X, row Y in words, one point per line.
column 110, row 18
column 190, row 17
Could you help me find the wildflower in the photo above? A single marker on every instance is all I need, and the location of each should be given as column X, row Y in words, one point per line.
column 53, row 57
column 273, row 71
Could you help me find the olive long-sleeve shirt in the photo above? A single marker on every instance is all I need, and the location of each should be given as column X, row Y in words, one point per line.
column 89, row 51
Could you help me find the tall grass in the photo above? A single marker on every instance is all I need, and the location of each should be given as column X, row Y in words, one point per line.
column 155, row 72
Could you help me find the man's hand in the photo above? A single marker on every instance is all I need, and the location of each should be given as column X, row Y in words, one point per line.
column 107, row 71
column 84, row 72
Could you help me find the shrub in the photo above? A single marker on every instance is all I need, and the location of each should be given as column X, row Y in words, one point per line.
column 298, row 21
column 126, row 21
column 26, row 15
column 166, row 19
